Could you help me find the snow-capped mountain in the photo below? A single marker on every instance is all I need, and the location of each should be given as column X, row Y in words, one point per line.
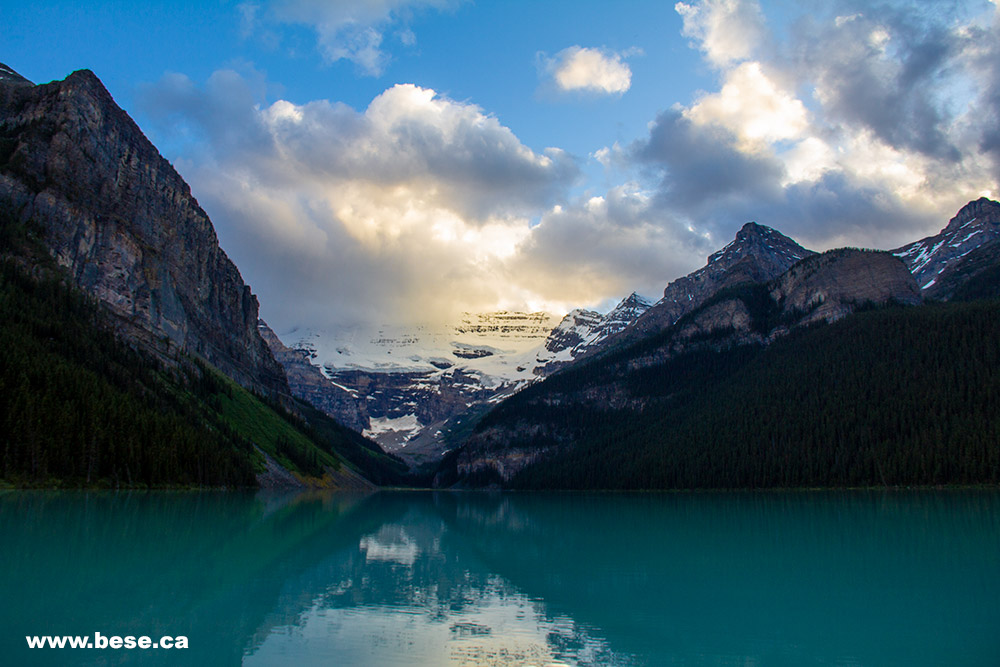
column 497, row 345
column 584, row 331
column 406, row 386
column 931, row 259
column 407, row 383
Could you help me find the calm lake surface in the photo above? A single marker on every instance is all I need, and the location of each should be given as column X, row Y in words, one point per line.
column 781, row 578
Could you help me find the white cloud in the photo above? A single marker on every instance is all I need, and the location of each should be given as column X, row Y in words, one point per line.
column 590, row 70
column 726, row 30
column 413, row 209
column 752, row 106
column 863, row 128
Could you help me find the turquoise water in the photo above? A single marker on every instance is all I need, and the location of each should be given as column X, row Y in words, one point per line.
column 785, row 578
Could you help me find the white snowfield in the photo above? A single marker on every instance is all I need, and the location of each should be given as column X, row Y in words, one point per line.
column 500, row 352
column 500, row 346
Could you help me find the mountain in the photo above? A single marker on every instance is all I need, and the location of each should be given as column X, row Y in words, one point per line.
column 757, row 254
column 884, row 397
column 965, row 247
column 131, row 350
column 582, row 332
column 407, row 386
column 308, row 383
column 123, row 225
column 412, row 388
column 572, row 332
column 627, row 388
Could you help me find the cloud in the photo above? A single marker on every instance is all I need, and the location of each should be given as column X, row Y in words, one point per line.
column 726, row 31
column 751, row 105
column 410, row 210
column 882, row 71
column 850, row 124
column 345, row 29
column 982, row 57
column 605, row 246
column 702, row 163
column 588, row 70
column 864, row 125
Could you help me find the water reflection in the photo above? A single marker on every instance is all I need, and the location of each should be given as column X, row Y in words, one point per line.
column 843, row 578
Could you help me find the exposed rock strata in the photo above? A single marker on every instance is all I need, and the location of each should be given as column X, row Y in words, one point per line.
column 124, row 225
column 756, row 255
column 308, row 383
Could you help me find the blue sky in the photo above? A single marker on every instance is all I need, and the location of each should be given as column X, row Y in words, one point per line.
column 383, row 160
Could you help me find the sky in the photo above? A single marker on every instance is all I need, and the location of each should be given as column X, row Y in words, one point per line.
column 402, row 161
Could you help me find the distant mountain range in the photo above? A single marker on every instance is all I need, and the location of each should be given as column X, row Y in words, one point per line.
column 409, row 387
column 681, row 396
column 772, row 365
column 386, row 386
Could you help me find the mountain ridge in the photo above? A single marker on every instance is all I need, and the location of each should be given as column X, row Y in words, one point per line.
column 123, row 223
column 756, row 254
column 932, row 259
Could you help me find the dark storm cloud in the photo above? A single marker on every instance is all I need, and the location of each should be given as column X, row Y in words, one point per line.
column 883, row 68
column 700, row 163
column 836, row 210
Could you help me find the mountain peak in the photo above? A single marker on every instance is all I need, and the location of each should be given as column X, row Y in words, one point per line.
column 632, row 300
column 976, row 224
column 758, row 241
column 752, row 229
column 981, row 209
column 756, row 254
column 8, row 75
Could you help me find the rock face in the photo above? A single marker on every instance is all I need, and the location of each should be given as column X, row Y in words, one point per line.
column 756, row 255
column 573, row 330
column 832, row 285
column 124, row 225
column 819, row 288
column 935, row 261
column 308, row 383
column 583, row 332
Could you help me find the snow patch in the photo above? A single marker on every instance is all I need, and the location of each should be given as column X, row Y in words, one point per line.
column 405, row 424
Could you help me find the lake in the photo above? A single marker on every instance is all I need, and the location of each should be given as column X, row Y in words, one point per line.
column 433, row 578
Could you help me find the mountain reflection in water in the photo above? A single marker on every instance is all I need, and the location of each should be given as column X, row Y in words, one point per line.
column 849, row 578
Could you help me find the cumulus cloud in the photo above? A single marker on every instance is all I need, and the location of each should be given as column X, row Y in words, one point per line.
column 345, row 29
column 884, row 71
column 725, row 30
column 868, row 125
column 588, row 70
column 751, row 105
column 411, row 209
column 607, row 245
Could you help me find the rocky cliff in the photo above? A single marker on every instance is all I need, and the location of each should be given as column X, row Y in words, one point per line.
column 123, row 224
column 931, row 259
column 307, row 382
column 818, row 288
column 831, row 285
column 756, row 255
